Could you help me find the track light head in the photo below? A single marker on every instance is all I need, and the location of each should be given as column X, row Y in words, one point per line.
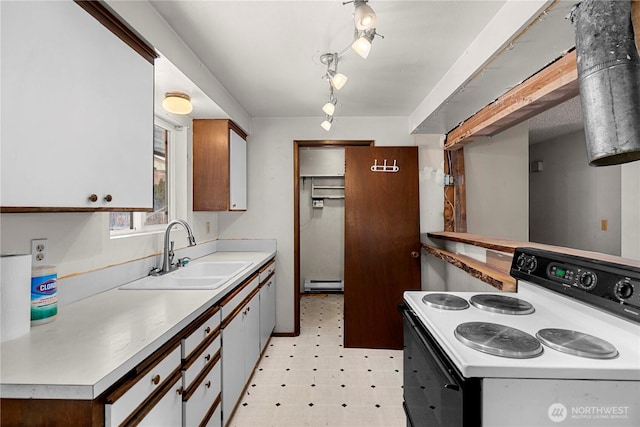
column 326, row 125
column 330, row 107
column 364, row 17
column 362, row 43
column 337, row 80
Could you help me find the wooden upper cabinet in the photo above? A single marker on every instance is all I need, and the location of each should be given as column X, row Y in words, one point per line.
column 219, row 166
column 77, row 122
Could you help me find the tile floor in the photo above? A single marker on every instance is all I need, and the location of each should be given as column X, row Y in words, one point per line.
column 311, row 380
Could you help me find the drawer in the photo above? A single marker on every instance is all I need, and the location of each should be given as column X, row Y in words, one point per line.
column 216, row 419
column 228, row 305
column 167, row 412
column 266, row 271
column 130, row 400
column 200, row 361
column 206, row 330
column 202, row 398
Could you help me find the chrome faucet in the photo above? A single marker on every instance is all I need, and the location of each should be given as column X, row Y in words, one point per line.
column 167, row 256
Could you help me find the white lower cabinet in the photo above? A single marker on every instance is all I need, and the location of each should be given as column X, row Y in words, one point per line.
column 240, row 352
column 201, row 399
column 167, row 412
column 232, row 367
column 267, row 309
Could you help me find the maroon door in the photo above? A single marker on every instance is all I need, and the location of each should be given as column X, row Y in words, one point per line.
column 382, row 243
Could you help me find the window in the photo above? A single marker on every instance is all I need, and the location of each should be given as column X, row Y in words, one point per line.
column 134, row 222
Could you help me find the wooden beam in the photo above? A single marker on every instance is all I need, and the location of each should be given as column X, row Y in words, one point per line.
column 549, row 87
column 455, row 203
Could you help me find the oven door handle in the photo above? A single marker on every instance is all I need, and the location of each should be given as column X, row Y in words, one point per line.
column 451, row 382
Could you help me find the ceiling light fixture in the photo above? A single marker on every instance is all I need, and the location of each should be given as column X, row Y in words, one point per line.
column 364, row 17
column 326, row 125
column 177, row 103
column 338, row 80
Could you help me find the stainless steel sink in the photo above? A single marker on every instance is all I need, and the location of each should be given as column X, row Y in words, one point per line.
column 198, row 275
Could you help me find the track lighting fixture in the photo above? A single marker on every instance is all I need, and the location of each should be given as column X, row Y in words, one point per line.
column 326, row 125
column 365, row 31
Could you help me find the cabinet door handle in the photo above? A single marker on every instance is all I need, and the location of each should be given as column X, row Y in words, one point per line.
column 207, row 384
column 207, row 357
column 248, row 309
column 156, row 379
column 415, row 254
column 180, row 391
column 207, row 331
column 93, row 198
column 108, row 198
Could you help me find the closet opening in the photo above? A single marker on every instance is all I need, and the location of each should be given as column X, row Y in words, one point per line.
column 319, row 217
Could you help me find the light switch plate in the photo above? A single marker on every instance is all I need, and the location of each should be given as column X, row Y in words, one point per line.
column 39, row 251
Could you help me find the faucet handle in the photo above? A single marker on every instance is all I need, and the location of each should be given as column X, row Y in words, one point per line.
column 183, row 261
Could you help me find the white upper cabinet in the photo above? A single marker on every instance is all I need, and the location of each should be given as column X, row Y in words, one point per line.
column 77, row 112
column 237, row 171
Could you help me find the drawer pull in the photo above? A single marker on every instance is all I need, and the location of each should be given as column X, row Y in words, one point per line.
column 108, row 198
column 248, row 309
column 180, row 391
column 156, row 379
column 207, row 357
column 93, row 198
column 207, row 331
column 207, row 384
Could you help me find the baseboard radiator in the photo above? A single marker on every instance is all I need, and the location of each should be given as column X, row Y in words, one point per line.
column 324, row 285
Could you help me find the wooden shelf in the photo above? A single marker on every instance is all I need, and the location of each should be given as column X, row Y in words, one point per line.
column 494, row 277
column 509, row 246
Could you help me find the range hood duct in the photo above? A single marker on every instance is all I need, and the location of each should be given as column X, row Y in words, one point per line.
column 609, row 80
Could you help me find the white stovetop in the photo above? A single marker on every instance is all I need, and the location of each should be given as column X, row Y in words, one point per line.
column 94, row 342
column 551, row 311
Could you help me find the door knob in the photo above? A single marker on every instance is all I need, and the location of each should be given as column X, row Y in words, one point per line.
column 415, row 254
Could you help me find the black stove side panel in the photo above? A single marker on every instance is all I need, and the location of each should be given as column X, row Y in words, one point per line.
column 613, row 288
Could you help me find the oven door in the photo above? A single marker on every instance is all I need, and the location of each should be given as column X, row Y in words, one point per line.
column 435, row 394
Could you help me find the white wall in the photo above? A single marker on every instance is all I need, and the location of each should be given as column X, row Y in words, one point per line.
column 569, row 198
column 497, row 184
column 630, row 218
column 270, row 181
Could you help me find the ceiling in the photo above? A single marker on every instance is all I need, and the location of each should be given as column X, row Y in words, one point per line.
column 266, row 54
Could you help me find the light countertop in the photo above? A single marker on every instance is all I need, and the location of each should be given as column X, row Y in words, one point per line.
column 95, row 341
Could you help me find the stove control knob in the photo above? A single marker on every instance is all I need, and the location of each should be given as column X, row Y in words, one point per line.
column 532, row 263
column 587, row 280
column 624, row 290
column 521, row 262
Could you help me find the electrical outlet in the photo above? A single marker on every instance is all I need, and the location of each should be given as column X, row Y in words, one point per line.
column 39, row 251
